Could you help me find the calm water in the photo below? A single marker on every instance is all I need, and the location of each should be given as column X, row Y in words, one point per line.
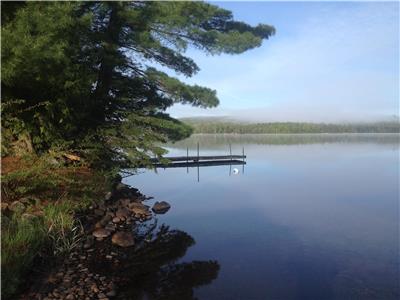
column 312, row 217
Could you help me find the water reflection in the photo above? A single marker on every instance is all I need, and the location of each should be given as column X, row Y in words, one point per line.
column 233, row 167
column 312, row 219
column 153, row 272
column 219, row 141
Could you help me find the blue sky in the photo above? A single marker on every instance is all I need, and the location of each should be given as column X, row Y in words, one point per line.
column 332, row 62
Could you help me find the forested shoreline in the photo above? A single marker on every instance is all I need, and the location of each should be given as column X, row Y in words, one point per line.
column 215, row 127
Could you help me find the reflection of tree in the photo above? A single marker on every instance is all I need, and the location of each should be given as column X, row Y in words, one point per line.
column 220, row 141
column 154, row 273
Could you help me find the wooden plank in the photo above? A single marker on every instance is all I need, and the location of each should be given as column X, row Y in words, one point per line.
column 207, row 163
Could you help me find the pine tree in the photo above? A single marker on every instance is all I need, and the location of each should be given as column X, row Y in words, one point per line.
column 81, row 75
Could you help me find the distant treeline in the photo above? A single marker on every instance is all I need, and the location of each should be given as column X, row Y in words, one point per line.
column 203, row 126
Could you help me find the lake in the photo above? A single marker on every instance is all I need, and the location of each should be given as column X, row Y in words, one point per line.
column 308, row 217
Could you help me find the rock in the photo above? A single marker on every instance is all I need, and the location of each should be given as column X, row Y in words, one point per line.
column 123, row 239
column 98, row 212
column 121, row 187
column 16, row 206
column 103, row 222
column 94, row 288
column 99, row 225
column 89, row 242
column 161, row 207
column 107, row 218
column 116, row 220
column 139, row 208
column 110, row 227
column 110, row 213
column 137, row 205
column 111, row 293
column 125, row 202
column 122, row 213
column 101, row 233
column 101, row 296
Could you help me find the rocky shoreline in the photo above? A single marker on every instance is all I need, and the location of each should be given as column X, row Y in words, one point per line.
column 114, row 230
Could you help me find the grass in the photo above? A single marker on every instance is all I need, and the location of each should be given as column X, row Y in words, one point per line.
column 21, row 241
column 52, row 194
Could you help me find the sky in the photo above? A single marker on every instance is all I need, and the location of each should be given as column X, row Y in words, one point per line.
column 328, row 62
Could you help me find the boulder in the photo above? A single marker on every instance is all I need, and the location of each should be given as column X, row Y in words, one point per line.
column 137, row 205
column 116, row 220
column 161, row 207
column 123, row 213
column 139, row 209
column 123, row 239
column 101, row 233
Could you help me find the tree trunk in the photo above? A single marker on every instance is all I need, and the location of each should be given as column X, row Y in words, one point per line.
column 101, row 93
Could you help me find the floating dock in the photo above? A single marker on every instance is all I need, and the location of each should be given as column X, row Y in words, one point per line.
column 205, row 162
column 199, row 160
column 196, row 161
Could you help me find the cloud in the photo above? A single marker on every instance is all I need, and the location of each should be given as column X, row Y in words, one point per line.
column 340, row 64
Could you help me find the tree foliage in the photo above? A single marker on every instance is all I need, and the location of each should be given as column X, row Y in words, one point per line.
column 82, row 76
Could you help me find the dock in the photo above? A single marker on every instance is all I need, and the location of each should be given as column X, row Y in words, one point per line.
column 196, row 161
column 206, row 162
column 199, row 160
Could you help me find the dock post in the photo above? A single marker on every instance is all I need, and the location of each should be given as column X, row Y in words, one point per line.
column 187, row 159
column 243, row 160
column 198, row 157
column 230, row 150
